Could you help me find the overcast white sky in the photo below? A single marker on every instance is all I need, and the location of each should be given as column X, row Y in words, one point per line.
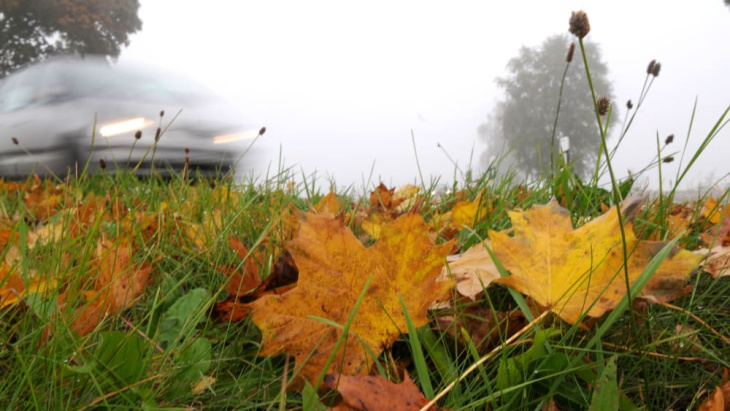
column 340, row 84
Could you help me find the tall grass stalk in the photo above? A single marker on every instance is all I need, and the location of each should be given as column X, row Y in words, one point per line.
column 614, row 183
column 557, row 114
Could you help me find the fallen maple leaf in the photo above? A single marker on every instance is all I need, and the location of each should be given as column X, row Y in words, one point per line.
column 240, row 283
column 118, row 284
column 206, row 383
column 462, row 215
column 719, row 400
column 42, row 198
column 473, row 270
column 204, row 235
column 714, row 212
column 405, row 197
column 329, row 203
column 333, row 270
column 567, row 270
column 382, row 197
column 373, row 226
column 719, row 234
column 282, row 278
column 364, row 392
column 13, row 287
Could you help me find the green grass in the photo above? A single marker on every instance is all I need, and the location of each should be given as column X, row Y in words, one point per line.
column 171, row 339
column 152, row 354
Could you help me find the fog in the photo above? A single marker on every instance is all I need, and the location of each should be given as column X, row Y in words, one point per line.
column 345, row 89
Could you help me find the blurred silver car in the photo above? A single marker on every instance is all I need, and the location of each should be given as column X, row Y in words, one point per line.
column 58, row 115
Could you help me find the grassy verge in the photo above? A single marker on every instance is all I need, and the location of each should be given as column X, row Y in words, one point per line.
column 169, row 347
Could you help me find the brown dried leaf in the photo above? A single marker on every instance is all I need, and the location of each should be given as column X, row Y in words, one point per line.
column 484, row 327
column 119, row 282
column 241, row 283
column 718, row 260
column 473, row 270
column 719, row 400
column 283, row 277
column 363, row 392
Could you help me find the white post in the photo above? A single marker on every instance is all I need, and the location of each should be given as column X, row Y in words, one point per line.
column 565, row 148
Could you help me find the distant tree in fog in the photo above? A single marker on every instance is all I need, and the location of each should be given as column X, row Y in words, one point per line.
column 522, row 122
column 33, row 29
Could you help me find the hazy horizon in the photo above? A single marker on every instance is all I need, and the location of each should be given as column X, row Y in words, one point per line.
column 341, row 86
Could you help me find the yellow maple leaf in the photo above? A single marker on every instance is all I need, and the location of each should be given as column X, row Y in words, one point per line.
column 569, row 270
column 463, row 214
column 713, row 211
column 333, row 270
column 13, row 287
column 373, row 226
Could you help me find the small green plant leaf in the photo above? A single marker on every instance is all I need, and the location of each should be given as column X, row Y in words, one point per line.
column 121, row 354
column 195, row 360
column 310, row 399
column 512, row 370
column 179, row 314
column 605, row 395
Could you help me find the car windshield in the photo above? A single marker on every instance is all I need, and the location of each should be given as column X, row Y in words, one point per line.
column 19, row 90
column 129, row 83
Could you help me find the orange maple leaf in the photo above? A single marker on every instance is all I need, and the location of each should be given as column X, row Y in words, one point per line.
column 333, row 270
column 118, row 284
column 242, row 282
column 567, row 270
column 329, row 203
column 383, row 197
column 719, row 400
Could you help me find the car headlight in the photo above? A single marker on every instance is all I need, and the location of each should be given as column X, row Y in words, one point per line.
column 116, row 128
column 233, row 137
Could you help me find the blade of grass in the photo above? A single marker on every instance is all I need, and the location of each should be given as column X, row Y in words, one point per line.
column 419, row 361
